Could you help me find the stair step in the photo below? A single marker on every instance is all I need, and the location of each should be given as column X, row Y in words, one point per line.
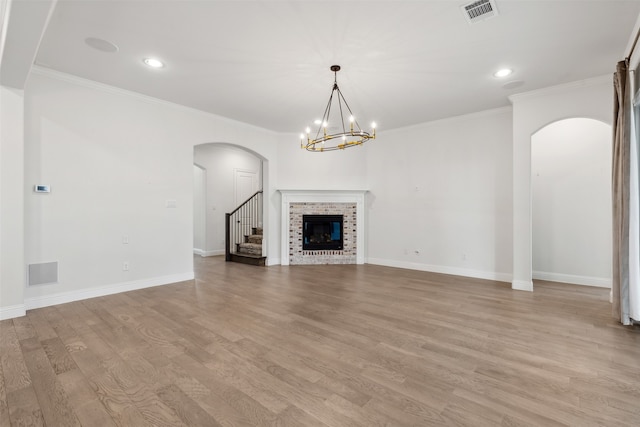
column 250, row 248
column 257, row 230
column 249, row 259
column 254, row 238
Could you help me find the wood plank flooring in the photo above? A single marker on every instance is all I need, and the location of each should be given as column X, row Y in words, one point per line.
column 339, row 345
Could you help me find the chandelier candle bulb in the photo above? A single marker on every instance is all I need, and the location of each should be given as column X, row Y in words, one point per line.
column 327, row 140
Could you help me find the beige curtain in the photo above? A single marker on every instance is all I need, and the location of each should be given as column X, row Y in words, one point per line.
column 620, row 191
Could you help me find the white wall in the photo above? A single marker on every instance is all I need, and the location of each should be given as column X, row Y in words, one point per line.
column 113, row 160
column 221, row 161
column 12, row 268
column 531, row 112
column 440, row 196
column 332, row 170
column 571, row 189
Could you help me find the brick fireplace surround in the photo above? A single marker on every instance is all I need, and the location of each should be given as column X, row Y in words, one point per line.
column 349, row 203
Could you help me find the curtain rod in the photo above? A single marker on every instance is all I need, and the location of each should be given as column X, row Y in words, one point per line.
column 633, row 46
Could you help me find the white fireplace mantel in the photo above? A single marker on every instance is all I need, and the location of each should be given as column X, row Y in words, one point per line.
column 323, row 196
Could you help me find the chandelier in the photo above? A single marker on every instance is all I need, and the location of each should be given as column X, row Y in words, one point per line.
column 332, row 134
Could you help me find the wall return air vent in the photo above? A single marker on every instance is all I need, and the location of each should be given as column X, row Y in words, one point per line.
column 479, row 10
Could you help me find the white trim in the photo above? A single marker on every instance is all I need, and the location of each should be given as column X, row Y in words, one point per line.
column 522, row 285
column 600, row 282
column 272, row 261
column 469, row 116
column 454, row 271
column 204, row 253
column 70, row 78
column 12, row 311
column 65, row 297
column 5, row 11
column 595, row 81
column 322, row 196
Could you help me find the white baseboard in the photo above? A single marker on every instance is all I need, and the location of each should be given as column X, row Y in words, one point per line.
column 522, row 285
column 65, row 297
column 272, row 261
column 465, row 272
column 203, row 253
column 600, row 282
column 12, row 311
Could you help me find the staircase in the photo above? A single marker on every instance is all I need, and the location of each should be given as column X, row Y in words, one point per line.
column 243, row 235
column 250, row 251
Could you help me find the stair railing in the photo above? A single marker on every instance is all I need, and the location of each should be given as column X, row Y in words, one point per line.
column 239, row 223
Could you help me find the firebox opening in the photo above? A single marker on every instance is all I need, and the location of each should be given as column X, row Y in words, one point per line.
column 322, row 232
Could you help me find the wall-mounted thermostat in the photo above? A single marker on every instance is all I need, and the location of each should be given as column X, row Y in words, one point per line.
column 41, row 188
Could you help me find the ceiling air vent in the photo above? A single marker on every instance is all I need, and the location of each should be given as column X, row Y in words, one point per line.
column 480, row 10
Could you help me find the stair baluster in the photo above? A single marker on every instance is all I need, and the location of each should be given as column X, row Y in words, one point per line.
column 243, row 232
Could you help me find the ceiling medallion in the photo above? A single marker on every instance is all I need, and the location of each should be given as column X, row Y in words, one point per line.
column 332, row 134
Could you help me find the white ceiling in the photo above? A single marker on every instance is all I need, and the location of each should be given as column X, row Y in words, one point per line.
column 403, row 62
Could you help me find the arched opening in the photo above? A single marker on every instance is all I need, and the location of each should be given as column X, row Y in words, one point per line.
column 230, row 174
column 199, row 208
column 571, row 202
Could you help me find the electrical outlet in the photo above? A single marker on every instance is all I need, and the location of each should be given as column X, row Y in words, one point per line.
column 125, row 266
column 125, row 240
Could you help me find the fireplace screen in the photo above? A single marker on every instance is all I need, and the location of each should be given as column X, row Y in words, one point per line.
column 321, row 232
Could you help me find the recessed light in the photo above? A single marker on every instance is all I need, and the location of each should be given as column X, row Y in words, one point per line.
column 503, row 72
column 153, row 63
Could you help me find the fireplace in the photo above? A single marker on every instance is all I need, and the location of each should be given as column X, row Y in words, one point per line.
column 322, row 232
column 297, row 204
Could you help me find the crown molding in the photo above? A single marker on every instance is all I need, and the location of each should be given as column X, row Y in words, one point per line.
column 468, row 116
column 91, row 84
column 565, row 87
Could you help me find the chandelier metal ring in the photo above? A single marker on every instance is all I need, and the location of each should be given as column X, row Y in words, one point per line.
column 350, row 136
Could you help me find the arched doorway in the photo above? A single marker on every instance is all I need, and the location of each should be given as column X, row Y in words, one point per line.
column 230, row 172
column 531, row 112
column 571, row 202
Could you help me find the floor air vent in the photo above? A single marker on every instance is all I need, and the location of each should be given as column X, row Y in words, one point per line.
column 480, row 10
column 42, row 274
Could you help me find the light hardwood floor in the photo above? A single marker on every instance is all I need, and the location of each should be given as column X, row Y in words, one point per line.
column 323, row 346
